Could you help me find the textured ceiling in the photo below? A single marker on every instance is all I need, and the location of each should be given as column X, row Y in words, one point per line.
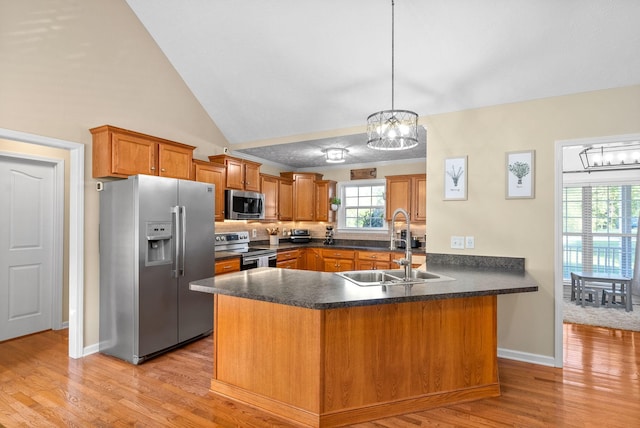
column 277, row 69
column 309, row 154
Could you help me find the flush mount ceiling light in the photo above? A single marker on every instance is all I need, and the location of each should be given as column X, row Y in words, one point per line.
column 611, row 157
column 335, row 154
column 392, row 129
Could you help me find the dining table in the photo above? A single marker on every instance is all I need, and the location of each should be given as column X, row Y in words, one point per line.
column 615, row 285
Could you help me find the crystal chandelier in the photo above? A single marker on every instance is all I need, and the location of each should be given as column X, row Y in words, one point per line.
column 392, row 129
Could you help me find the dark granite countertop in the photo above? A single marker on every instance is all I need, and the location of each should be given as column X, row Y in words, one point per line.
column 323, row 290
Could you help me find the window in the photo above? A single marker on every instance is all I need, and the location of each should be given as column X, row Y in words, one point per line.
column 363, row 205
column 600, row 225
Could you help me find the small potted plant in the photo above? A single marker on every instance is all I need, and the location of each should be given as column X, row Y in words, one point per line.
column 335, row 203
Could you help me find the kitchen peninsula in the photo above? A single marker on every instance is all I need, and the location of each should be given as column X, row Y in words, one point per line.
column 318, row 349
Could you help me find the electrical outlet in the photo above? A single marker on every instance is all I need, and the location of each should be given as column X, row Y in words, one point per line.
column 469, row 242
column 457, row 242
column 254, row 233
column 284, row 231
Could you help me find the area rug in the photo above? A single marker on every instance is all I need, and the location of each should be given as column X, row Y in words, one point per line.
column 602, row 316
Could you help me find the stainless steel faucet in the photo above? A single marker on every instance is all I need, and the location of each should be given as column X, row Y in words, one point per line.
column 406, row 261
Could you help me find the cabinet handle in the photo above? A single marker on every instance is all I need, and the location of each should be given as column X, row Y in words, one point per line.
column 163, row 170
column 153, row 168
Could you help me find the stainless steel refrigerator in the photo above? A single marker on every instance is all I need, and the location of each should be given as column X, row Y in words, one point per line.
column 156, row 235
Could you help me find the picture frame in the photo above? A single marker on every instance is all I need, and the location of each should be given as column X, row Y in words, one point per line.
column 520, row 174
column 455, row 179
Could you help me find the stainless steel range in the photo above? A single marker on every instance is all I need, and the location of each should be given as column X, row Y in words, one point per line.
column 252, row 257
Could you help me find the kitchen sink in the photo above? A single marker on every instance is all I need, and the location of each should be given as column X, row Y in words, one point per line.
column 368, row 278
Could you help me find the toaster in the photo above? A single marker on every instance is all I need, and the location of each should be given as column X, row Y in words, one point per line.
column 300, row 236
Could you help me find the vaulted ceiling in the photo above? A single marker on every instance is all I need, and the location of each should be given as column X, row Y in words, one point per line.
column 282, row 68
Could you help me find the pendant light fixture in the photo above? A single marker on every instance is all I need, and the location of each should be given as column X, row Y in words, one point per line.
column 392, row 129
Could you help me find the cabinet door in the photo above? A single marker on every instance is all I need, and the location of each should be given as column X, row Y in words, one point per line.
column 398, row 194
column 304, row 190
column 337, row 265
column 325, row 190
column 269, row 187
column 133, row 155
column 419, row 207
column 210, row 173
column 285, row 199
column 251, row 176
column 234, row 174
column 313, row 260
column 174, row 161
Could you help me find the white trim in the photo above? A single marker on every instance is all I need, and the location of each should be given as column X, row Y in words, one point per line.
column 76, row 231
column 340, row 214
column 58, row 222
column 558, row 182
column 526, row 357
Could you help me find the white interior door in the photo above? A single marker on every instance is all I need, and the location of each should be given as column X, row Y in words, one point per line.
column 27, row 222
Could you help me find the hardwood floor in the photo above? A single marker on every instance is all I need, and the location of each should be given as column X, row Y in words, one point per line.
column 40, row 386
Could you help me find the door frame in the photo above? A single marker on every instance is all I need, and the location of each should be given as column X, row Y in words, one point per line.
column 58, row 222
column 558, row 183
column 76, row 231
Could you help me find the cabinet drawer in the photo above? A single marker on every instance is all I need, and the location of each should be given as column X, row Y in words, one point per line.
column 227, row 266
column 374, row 255
column 339, row 254
column 287, row 255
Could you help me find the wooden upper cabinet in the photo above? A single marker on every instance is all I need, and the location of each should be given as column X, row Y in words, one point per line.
column 242, row 174
column 278, row 197
column 269, row 185
column 419, row 206
column 120, row 153
column 209, row 172
column 285, row 199
column 304, row 194
column 325, row 190
column 408, row 192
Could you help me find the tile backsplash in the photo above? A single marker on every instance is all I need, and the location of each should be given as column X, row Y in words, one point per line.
column 317, row 230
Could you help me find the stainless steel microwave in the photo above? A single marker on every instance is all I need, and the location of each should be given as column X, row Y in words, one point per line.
column 243, row 205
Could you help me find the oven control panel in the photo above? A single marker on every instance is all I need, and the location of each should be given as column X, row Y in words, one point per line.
column 232, row 238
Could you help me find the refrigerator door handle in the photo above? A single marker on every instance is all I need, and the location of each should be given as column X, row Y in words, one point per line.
column 183, row 239
column 175, row 215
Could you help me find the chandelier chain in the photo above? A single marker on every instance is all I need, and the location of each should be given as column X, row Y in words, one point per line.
column 393, row 44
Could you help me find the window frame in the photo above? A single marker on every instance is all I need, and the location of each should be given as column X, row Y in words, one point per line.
column 588, row 238
column 341, row 213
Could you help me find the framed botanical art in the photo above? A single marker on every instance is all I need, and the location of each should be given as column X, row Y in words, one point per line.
column 455, row 179
column 520, row 174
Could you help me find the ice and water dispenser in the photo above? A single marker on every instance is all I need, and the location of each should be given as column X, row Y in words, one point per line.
column 158, row 243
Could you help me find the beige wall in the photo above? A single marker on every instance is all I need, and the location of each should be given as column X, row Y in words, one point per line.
column 68, row 66
column 519, row 228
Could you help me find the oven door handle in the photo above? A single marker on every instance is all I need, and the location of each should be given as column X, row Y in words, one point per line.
column 249, row 259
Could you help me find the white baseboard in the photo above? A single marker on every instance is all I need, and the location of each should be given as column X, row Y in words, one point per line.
column 91, row 349
column 526, row 357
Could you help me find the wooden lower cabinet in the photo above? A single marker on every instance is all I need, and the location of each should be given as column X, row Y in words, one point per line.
column 341, row 366
column 313, row 259
column 227, row 266
column 288, row 259
column 338, row 260
column 368, row 260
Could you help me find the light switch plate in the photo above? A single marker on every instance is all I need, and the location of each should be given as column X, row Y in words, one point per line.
column 469, row 242
column 457, row 242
